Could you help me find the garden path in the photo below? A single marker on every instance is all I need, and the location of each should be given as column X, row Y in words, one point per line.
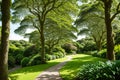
column 53, row 72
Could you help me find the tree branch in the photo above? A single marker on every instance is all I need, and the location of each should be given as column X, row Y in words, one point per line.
column 117, row 12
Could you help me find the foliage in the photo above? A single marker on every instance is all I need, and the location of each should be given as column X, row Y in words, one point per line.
column 18, row 58
column 11, row 61
column 90, row 22
column 69, row 47
column 35, row 60
column 48, row 57
column 86, row 45
column 31, row 50
column 103, row 52
column 24, row 61
column 100, row 70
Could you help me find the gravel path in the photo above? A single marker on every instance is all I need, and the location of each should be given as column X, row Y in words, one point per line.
column 53, row 72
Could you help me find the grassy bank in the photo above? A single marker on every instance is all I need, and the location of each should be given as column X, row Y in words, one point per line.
column 69, row 71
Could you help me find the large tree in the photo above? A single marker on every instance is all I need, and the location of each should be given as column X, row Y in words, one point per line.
column 40, row 9
column 5, row 8
column 111, row 11
column 109, row 17
column 91, row 23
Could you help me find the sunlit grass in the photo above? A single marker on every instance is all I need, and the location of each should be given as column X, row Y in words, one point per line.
column 69, row 71
column 30, row 73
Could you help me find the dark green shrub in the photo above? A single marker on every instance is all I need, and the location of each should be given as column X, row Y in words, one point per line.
column 11, row 61
column 25, row 62
column 48, row 57
column 30, row 51
column 18, row 59
column 69, row 47
column 100, row 71
column 35, row 60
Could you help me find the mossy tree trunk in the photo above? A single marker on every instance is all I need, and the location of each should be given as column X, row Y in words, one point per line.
column 5, row 8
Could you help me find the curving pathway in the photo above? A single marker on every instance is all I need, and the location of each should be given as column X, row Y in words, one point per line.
column 53, row 72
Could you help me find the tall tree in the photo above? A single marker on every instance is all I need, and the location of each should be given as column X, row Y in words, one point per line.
column 90, row 23
column 109, row 17
column 5, row 8
column 40, row 10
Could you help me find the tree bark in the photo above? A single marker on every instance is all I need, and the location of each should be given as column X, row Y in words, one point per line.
column 110, row 40
column 5, row 8
column 42, row 44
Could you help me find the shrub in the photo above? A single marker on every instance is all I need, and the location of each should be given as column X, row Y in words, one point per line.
column 102, row 53
column 25, row 62
column 100, row 71
column 30, row 51
column 11, row 61
column 18, row 58
column 48, row 57
column 117, row 52
column 35, row 60
column 53, row 57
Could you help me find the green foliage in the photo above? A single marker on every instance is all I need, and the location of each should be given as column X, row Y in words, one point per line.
column 86, row 45
column 24, row 61
column 18, row 58
column 48, row 57
column 102, row 53
column 69, row 47
column 30, row 51
column 117, row 52
column 11, row 61
column 100, row 71
column 35, row 60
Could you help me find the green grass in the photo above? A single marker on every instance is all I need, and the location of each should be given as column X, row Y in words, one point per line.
column 69, row 71
column 30, row 73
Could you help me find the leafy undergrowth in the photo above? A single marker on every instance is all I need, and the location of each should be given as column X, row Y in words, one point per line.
column 30, row 73
column 69, row 71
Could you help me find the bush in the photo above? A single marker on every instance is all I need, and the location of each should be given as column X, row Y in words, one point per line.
column 48, row 57
column 18, row 58
column 30, row 51
column 100, row 71
column 25, row 62
column 117, row 52
column 11, row 61
column 102, row 53
column 35, row 60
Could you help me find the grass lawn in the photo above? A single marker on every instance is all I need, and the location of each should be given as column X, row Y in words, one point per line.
column 69, row 71
column 30, row 73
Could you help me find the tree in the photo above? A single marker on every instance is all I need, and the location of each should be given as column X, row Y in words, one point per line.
column 91, row 24
column 40, row 10
column 5, row 8
column 111, row 10
column 109, row 17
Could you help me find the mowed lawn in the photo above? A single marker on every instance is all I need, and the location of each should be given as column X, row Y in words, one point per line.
column 69, row 71
column 30, row 73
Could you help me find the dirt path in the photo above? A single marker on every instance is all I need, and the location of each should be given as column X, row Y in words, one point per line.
column 53, row 72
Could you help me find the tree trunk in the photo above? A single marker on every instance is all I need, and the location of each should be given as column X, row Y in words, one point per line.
column 5, row 39
column 42, row 45
column 99, row 45
column 110, row 42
